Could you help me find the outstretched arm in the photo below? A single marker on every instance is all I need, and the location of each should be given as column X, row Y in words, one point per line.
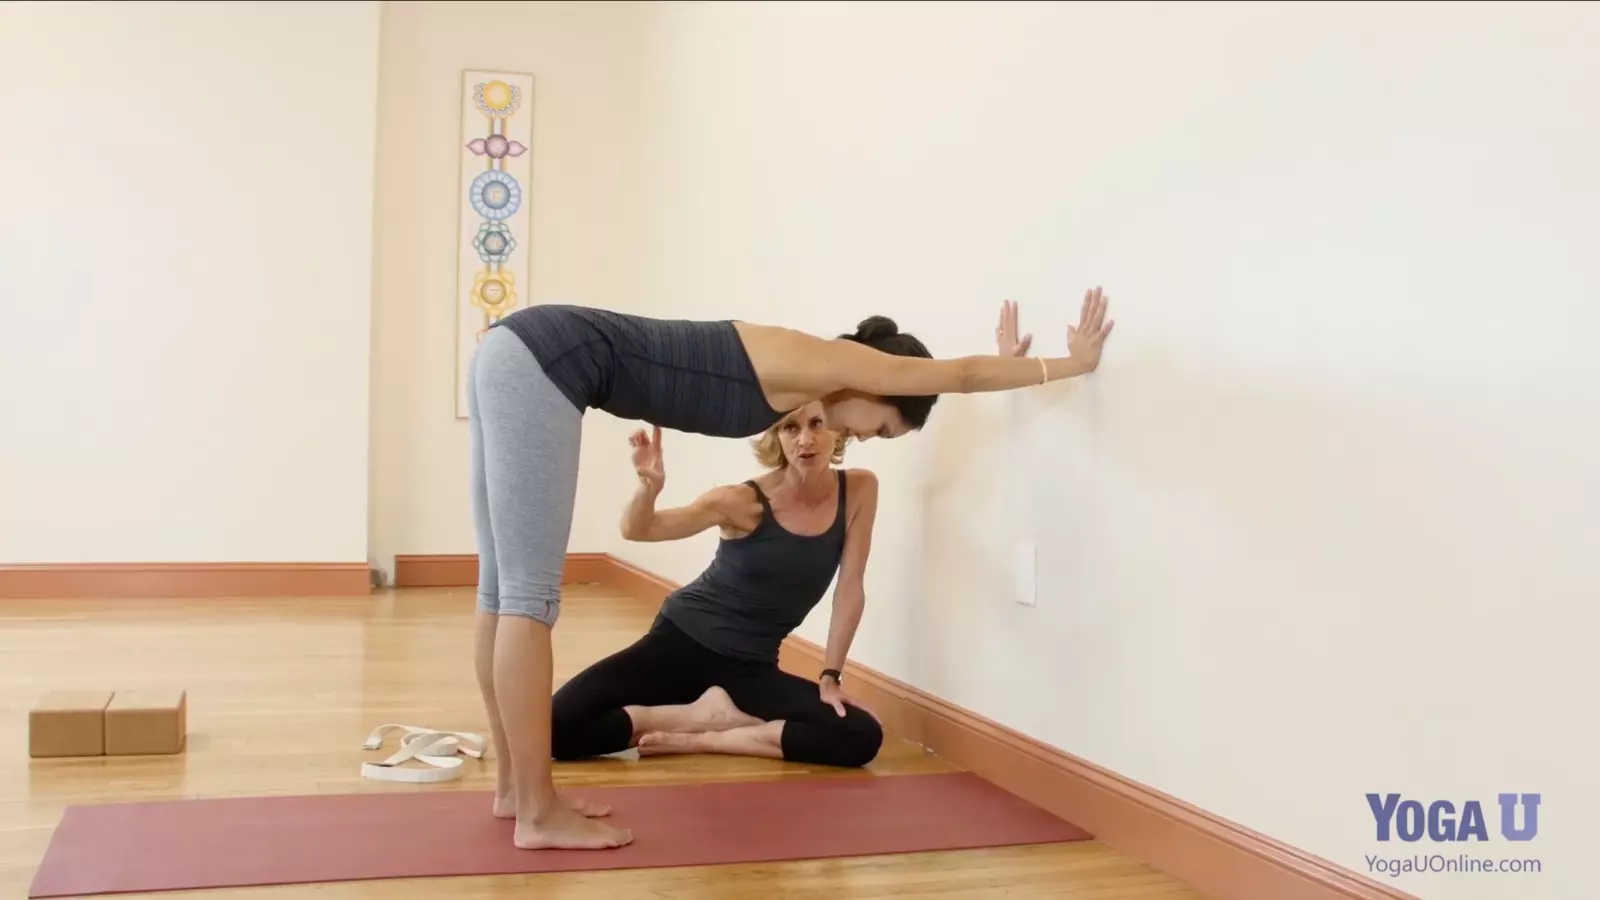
column 850, row 596
column 853, row 366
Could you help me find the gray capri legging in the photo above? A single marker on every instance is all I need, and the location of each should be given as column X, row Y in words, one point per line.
column 525, row 440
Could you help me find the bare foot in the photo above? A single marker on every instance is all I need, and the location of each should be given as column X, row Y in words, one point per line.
column 661, row 743
column 715, row 711
column 565, row 829
column 505, row 805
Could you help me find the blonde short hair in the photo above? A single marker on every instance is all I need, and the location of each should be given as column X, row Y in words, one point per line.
column 769, row 448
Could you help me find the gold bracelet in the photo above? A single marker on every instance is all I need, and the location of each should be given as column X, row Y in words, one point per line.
column 1045, row 371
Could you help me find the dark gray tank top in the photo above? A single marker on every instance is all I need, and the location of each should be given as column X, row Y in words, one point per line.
column 760, row 587
column 693, row 377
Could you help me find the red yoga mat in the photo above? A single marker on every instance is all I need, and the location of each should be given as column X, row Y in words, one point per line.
column 235, row 842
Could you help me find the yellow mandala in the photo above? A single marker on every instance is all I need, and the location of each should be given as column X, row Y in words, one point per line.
column 496, row 98
column 494, row 292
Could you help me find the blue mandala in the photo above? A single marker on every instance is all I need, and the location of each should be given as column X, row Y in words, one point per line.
column 494, row 242
column 496, row 195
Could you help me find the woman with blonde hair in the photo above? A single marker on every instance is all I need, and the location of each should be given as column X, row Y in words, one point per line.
column 705, row 678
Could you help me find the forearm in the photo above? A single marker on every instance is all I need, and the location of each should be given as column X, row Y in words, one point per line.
column 983, row 374
column 847, row 608
column 640, row 513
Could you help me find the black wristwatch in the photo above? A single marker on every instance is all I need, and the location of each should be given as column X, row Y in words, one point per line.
column 838, row 677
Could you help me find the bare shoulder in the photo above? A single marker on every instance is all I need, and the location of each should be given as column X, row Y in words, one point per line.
column 795, row 367
column 862, row 488
column 777, row 351
column 759, row 337
column 731, row 498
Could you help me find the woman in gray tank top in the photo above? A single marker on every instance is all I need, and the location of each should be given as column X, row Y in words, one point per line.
column 538, row 371
column 705, row 678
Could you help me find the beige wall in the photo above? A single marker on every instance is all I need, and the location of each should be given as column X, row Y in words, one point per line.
column 584, row 61
column 185, row 280
column 1325, row 522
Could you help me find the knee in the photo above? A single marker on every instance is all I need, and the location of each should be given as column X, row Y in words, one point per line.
column 545, row 610
column 859, row 740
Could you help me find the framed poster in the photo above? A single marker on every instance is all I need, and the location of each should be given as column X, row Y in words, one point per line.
column 492, row 207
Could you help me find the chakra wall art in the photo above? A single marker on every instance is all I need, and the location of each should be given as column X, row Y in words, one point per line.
column 492, row 241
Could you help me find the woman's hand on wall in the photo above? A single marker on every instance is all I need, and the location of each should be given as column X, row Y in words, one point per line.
column 1005, row 335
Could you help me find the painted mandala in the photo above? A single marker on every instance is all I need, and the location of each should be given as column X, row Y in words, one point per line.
column 494, row 292
column 494, row 242
column 495, row 195
column 495, row 146
column 496, row 98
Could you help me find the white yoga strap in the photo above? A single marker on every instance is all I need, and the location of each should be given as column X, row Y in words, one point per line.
column 436, row 748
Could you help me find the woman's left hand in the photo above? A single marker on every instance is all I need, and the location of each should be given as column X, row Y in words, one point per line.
column 1005, row 335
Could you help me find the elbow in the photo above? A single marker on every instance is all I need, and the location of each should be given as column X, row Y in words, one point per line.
column 642, row 534
column 851, row 600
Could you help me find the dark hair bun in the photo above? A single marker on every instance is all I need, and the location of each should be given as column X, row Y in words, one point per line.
column 875, row 329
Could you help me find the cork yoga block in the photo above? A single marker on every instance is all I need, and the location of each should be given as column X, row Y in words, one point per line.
column 68, row 723
column 139, row 723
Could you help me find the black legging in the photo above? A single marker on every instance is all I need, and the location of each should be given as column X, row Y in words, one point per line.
column 667, row 667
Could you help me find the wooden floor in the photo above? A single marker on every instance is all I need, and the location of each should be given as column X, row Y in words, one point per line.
column 282, row 693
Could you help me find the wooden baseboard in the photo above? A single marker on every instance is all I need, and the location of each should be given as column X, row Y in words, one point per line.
column 461, row 569
column 183, row 580
column 1219, row 858
column 637, row 583
column 436, row 570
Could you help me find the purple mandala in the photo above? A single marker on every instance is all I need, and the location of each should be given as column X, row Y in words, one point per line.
column 495, row 146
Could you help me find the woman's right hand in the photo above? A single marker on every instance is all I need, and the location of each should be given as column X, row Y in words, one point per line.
column 647, row 461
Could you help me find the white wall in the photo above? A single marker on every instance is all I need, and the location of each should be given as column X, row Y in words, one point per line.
column 185, row 271
column 1325, row 521
column 584, row 62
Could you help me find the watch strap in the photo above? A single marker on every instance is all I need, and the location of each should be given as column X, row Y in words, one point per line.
column 838, row 676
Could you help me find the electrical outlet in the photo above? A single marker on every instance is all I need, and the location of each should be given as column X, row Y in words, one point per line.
column 1027, row 573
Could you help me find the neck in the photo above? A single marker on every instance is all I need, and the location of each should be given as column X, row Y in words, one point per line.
column 806, row 486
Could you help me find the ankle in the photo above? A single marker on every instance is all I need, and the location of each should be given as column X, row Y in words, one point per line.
column 539, row 802
column 543, row 813
column 643, row 721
